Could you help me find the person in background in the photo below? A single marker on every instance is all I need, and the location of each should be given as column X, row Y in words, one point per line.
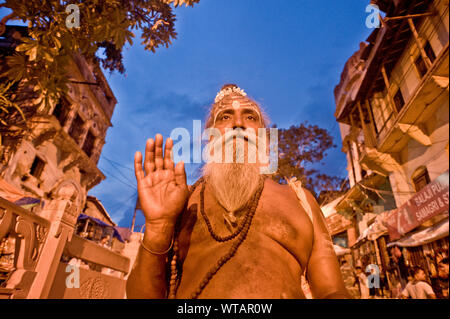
column 441, row 254
column 372, row 288
column 384, row 286
column 348, row 276
column 398, row 262
column 105, row 241
column 417, row 287
column 363, row 284
column 396, row 286
column 440, row 284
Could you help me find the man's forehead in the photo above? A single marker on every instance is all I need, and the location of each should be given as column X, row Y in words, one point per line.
column 229, row 100
column 235, row 102
column 245, row 109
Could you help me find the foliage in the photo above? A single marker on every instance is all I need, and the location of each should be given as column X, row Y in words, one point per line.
column 5, row 101
column 105, row 27
column 301, row 148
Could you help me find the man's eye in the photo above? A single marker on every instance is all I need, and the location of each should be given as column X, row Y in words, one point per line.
column 251, row 118
column 225, row 117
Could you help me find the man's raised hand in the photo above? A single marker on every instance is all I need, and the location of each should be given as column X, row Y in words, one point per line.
column 162, row 188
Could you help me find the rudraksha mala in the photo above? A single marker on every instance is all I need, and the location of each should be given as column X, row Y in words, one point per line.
column 241, row 233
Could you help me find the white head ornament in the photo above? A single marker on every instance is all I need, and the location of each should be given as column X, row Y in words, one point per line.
column 235, row 104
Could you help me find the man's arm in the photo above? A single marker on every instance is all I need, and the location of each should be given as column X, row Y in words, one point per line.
column 323, row 270
column 163, row 193
column 147, row 279
column 429, row 291
column 405, row 292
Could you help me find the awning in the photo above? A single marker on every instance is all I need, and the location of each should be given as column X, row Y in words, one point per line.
column 10, row 192
column 103, row 224
column 375, row 230
column 16, row 195
column 341, row 250
column 419, row 238
column 330, row 208
column 430, row 201
column 362, row 235
column 124, row 232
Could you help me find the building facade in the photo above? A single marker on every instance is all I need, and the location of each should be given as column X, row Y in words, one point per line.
column 392, row 106
column 54, row 163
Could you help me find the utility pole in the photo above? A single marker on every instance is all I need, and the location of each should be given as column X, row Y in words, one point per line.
column 136, row 208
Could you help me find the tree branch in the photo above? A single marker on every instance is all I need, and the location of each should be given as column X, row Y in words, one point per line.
column 82, row 82
column 4, row 20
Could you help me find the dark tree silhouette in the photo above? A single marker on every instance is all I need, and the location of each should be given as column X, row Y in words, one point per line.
column 300, row 148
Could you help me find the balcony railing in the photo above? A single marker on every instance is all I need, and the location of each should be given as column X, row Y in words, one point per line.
column 96, row 271
column 92, row 252
column 22, row 237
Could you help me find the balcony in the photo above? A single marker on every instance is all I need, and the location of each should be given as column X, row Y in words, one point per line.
column 101, row 272
column 47, row 127
column 428, row 96
column 382, row 130
column 22, row 238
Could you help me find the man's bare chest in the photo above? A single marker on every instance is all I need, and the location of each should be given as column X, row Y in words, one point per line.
column 271, row 225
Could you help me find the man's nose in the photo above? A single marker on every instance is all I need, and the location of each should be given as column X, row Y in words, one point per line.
column 238, row 123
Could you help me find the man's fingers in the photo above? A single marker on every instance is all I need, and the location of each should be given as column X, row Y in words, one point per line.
column 149, row 162
column 180, row 174
column 139, row 172
column 168, row 162
column 159, row 162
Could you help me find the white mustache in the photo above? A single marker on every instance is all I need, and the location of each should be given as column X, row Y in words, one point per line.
column 240, row 135
column 229, row 136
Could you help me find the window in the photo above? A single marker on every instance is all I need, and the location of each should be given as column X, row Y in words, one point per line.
column 370, row 107
column 421, row 66
column 421, row 179
column 341, row 239
column 76, row 130
column 398, row 100
column 88, row 145
column 37, row 167
column 429, row 51
column 60, row 110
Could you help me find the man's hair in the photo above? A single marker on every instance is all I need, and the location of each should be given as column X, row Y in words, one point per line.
column 228, row 85
column 416, row 270
column 209, row 121
column 444, row 261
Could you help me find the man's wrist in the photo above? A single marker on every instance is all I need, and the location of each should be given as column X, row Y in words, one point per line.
column 158, row 236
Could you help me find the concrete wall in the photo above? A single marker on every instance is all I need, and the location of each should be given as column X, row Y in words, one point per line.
column 92, row 285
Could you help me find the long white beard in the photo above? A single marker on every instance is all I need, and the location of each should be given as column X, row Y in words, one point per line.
column 233, row 184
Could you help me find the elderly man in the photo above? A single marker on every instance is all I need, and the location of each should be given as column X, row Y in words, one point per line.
column 235, row 234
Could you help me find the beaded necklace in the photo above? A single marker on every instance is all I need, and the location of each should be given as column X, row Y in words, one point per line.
column 241, row 233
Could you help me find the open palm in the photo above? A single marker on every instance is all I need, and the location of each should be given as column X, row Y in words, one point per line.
column 162, row 188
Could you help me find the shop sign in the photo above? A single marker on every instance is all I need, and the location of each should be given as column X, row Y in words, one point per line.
column 425, row 204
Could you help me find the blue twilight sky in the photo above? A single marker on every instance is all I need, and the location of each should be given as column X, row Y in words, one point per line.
column 287, row 54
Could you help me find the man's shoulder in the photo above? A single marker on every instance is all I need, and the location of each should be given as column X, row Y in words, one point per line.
column 285, row 200
column 281, row 192
column 275, row 187
column 423, row 284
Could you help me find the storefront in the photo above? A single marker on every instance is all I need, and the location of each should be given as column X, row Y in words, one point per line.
column 425, row 248
column 419, row 231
